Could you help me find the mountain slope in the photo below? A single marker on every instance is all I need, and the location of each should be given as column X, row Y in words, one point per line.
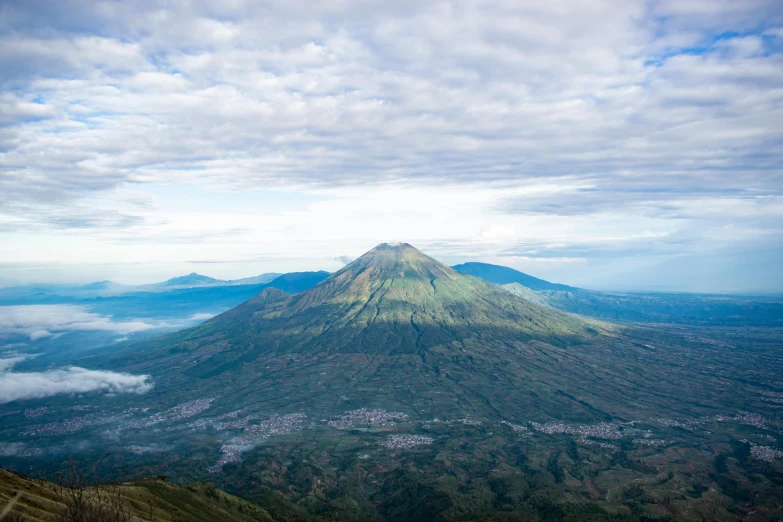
column 398, row 330
column 392, row 316
column 151, row 499
column 526, row 293
column 399, row 364
column 502, row 275
column 392, row 300
column 400, row 389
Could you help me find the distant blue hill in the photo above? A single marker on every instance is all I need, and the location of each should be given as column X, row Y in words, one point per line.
column 178, row 296
column 703, row 309
column 294, row 282
column 502, row 275
column 190, row 279
column 98, row 285
column 255, row 280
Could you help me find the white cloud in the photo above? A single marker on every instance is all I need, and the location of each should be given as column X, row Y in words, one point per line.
column 201, row 317
column 40, row 334
column 41, row 321
column 9, row 361
column 663, row 109
column 37, row 385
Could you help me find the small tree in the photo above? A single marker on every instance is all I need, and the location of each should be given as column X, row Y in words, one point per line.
column 82, row 502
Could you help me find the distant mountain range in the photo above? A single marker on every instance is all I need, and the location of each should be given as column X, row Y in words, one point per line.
column 192, row 279
column 676, row 308
column 199, row 293
column 501, row 275
column 294, row 281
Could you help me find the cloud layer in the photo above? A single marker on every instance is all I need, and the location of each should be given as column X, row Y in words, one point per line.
column 659, row 116
column 37, row 385
column 40, row 321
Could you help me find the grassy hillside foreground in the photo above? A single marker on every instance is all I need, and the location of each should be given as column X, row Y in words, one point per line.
column 150, row 499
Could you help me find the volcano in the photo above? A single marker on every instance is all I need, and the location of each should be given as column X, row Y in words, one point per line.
column 394, row 328
column 398, row 375
column 393, row 300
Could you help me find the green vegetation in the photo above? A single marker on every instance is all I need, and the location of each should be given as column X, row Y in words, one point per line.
column 711, row 310
column 400, row 389
column 150, row 499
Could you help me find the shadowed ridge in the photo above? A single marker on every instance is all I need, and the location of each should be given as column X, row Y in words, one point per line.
column 394, row 313
column 394, row 299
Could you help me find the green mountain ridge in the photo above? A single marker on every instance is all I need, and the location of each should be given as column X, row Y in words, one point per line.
column 526, row 293
column 395, row 314
column 392, row 300
column 399, row 389
column 396, row 329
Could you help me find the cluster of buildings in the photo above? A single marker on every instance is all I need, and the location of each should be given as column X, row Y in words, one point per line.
column 515, row 427
column 649, row 442
column 775, row 397
column 231, row 450
column 406, row 441
column 364, row 416
column 765, row 453
column 602, row 430
column 35, row 412
column 674, row 423
column 174, row 414
column 749, row 419
column 139, row 450
column 73, row 425
column 254, row 434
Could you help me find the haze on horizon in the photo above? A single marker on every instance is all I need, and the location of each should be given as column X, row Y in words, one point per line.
column 607, row 145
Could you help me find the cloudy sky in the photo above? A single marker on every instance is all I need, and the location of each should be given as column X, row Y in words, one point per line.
column 634, row 144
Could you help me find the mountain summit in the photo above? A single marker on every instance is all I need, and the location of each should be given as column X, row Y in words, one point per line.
column 391, row 323
column 391, row 271
column 394, row 299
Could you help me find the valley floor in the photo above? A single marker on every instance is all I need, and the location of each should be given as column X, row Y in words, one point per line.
column 698, row 434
